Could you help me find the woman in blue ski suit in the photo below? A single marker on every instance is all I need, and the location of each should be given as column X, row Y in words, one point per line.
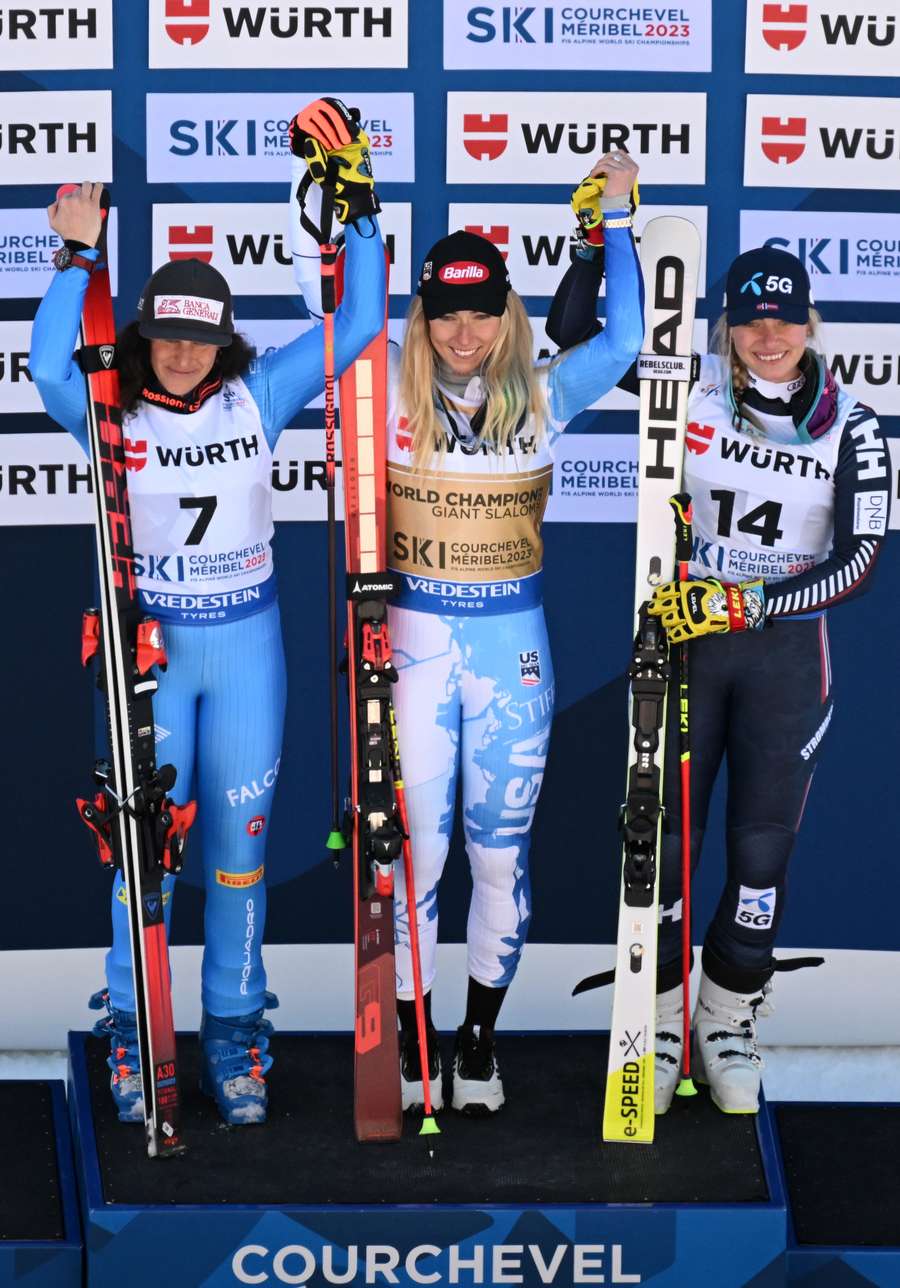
column 471, row 425
column 202, row 416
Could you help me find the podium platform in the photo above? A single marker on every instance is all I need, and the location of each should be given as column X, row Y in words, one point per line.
column 530, row 1196
column 842, row 1173
column 40, row 1232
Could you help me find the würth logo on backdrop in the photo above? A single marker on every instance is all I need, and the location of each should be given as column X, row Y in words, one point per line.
column 485, row 137
column 496, row 233
column 191, row 243
column 783, row 138
column 49, row 24
column 187, row 21
column 784, row 25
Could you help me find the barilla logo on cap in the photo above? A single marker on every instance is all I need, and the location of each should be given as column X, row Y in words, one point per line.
column 196, row 307
column 463, row 271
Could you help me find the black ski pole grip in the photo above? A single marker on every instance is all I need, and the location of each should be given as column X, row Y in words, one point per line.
column 684, row 536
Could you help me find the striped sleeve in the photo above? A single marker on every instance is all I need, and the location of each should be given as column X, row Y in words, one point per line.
column 861, row 503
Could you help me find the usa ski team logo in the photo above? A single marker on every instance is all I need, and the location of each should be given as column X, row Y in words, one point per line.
column 698, row 438
column 530, row 667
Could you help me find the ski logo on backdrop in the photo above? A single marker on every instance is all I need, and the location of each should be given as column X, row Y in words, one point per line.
column 485, row 137
column 698, row 438
column 182, row 25
column 756, row 908
column 530, row 667
column 784, row 26
column 783, row 138
column 256, row 825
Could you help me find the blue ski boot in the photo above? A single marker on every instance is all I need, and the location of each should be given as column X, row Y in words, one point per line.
column 235, row 1060
column 124, row 1058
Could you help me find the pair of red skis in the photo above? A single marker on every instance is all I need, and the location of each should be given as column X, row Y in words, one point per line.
column 138, row 828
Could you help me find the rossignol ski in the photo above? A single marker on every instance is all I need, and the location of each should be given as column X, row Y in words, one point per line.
column 373, row 823
column 138, row 829
column 670, row 257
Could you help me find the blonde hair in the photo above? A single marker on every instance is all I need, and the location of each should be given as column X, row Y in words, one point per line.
column 722, row 343
column 508, row 378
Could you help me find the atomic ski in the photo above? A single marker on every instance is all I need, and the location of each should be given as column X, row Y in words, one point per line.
column 670, row 258
column 137, row 827
column 374, row 826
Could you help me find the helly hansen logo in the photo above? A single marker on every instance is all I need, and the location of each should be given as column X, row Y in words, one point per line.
column 870, row 450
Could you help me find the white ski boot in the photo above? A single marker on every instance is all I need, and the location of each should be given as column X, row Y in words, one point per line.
column 725, row 1051
column 669, row 1046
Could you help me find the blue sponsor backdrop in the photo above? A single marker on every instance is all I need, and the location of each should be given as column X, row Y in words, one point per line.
column 844, row 884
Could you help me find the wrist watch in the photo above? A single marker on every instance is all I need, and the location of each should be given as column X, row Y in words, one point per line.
column 66, row 258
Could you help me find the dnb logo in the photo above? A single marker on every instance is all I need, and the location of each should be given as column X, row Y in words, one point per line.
column 191, row 243
column 485, row 137
column 497, row 233
column 187, row 21
column 784, row 26
column 698, row 438
column 783, row 139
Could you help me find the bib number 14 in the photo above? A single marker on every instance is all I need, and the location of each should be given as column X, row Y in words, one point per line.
column 762, row 521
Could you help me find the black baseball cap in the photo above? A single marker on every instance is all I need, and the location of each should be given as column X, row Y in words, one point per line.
column 463, row 271
column 767, row 282
column 186, row 299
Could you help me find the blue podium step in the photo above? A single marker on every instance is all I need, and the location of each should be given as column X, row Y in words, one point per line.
column 842, row 1173
column 529, row 1196
column 40, row 1232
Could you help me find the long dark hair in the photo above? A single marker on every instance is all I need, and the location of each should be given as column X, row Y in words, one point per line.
column 135, row 371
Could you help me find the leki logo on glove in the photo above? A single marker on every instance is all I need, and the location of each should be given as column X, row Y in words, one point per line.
column 195, row 307
column 463, row 272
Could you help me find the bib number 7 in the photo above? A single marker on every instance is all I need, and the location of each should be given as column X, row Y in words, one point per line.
column 207, row 507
